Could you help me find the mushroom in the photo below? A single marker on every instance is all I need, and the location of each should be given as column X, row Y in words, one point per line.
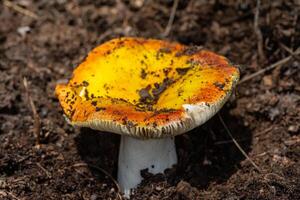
column 148, row 91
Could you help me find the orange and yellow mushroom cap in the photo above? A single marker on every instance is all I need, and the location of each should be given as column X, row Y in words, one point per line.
column 147, row 88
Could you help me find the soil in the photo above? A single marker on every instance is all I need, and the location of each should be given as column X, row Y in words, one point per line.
column 70, row 163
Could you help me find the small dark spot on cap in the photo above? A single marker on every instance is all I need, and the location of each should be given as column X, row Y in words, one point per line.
column 165, row 50
column 100, row 108
column 143, row 74
column 85, row 83
column 94, row 103
column 182, row 71
column 86, row 94
column 189, row 51
column 145, row 95
column 219, row 85
column 166, row 71
column 154, row 124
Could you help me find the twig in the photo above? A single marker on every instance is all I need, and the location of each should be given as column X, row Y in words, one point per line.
column 230, row 20
column 19, row 9
column 270, row 67
column 37, row 124
column 265, row 131
column 230, row 141
column 104, row 172
column 289, row 50
column 274, row 65
column 267, row 178
column 258, row 33
column 5, row 193
column 295, row 21
column 171, row 19
column 23, row 159
column 237, row 144
column 48, row 174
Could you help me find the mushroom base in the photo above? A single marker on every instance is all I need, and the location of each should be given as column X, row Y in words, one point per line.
column 136, row 155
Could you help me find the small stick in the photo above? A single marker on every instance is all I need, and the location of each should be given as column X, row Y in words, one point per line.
column 263, row 131
column 230, row 20
column 274, row 65
column 5, row 193
column 237, row 144
column 229, row 141
column 37, row 124
column 171, row 19
column 289, row 50
column 19, row 9
column 270, row 67
column 44, row 170
column 258, row 33
column 104, row 172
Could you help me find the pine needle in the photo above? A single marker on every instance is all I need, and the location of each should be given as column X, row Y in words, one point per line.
column 237, row 144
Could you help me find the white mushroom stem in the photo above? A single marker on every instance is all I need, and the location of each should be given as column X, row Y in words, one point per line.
column 136, row 155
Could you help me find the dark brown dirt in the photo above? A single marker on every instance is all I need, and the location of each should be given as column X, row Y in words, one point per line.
column 263, row 115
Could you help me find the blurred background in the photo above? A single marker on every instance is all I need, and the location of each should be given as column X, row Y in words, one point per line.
column 42, row 157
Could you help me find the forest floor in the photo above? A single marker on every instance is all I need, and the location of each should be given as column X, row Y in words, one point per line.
column 45, row 40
